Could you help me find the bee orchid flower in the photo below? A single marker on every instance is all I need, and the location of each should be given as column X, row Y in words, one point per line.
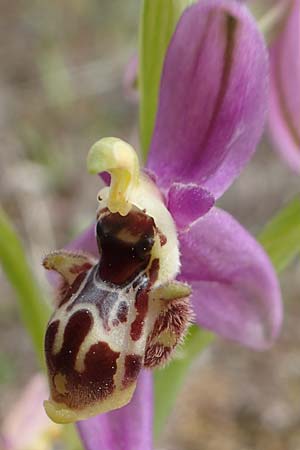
column 161, row 254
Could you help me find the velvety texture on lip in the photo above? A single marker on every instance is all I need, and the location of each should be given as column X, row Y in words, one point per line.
column 213, row 97
column 284, row 117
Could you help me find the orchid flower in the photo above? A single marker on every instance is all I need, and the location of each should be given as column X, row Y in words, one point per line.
column 284, row 117
column 169, row 256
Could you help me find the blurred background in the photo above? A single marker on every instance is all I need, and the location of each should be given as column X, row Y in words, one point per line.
column 61, row 89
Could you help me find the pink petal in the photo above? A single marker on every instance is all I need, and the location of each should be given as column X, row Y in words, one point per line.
column 26, row 424
column 235, row 289
column 213, row 97
column 128, row 428
column 284, row 118
column 85, row 242
column 187, row 202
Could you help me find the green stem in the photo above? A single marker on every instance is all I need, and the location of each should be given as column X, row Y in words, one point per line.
column 169, row 380
column 34, row 310
column 281, row 236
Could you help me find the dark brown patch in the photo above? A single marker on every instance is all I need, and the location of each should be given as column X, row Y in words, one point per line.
column 123, row 259
column 69, row 290
column 78, row 268
column 153, row 271
column 75, row 332
column 122, row 312
column 100, row 368
column 50, row 336
column 141, row 301
column 162, row 238
column 141, row 306
column 133, row 365
column 100, row 364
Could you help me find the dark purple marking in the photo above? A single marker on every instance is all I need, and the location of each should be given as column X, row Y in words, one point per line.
column 123, row 259
column 230, row 25
column 133, row 365
column 106, row 177
column 122, row 312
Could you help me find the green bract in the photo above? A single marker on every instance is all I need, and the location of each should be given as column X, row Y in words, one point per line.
column 157, row 23
column 33, row 307
column 168, row 381
column 281, row 236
